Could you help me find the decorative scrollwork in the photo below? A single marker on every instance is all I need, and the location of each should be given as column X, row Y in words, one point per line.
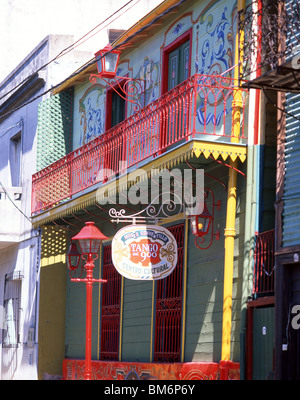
column 150, row 213
column 130, row 89
column 271, row 34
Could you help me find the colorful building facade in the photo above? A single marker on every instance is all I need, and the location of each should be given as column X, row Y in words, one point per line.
column 102, row 154
column 271, row 60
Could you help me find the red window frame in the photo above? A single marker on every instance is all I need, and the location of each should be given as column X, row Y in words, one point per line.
column 165, row 57
column 110, row 310
column 167, row 345
column 108, row 108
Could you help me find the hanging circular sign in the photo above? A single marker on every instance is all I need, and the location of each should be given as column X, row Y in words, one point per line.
column 144, row 252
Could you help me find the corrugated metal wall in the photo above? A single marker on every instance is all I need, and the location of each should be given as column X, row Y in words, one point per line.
column 291, row 208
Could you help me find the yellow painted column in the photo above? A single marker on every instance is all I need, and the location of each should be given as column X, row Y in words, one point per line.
column 228, row 264
column 231, row 212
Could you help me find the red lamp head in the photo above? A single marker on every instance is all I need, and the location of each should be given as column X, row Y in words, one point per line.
column 89, row 238
column 73, row 257
column 107, row 61
column 201, row 223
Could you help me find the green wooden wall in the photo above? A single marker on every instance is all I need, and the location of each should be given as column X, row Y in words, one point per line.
column 204, row 293
column 136, row 320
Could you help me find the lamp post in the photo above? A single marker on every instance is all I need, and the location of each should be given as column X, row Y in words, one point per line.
column 89, row 239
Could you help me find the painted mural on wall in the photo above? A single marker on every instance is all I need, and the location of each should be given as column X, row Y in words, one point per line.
column 149, row 73
column 212, row 53
column 91, row 114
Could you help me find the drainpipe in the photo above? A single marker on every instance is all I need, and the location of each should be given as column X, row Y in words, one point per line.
column 230, row 217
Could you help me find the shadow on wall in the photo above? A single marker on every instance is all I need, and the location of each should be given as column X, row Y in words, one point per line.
column 52, row 302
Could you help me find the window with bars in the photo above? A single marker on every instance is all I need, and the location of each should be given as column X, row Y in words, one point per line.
column 169, row 307
column 12, row 310
column 110, row 314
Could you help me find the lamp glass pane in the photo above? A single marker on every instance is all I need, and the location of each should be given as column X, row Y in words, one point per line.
column 111, row 62
column 74, row 261
column 99, row 64
column 95, row 245
column 84, row 245
column 203, row 224
column 194, row 225
column 89, row 245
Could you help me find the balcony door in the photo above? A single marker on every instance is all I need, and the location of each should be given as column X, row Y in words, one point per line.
column 177, row 62
column 115, row 107
column 179, row 65
column 115, row 146
column 176, row 69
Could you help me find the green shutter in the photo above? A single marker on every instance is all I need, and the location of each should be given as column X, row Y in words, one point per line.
column 178, row 65
column 118, row 109
column 54, row 131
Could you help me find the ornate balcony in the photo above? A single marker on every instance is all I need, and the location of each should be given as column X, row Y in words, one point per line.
column 201, row 108
column 270, row 46
column 264, row 264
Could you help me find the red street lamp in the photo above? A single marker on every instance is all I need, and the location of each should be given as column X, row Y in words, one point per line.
column 130, row 89
column 107, row 61
column 89, row 239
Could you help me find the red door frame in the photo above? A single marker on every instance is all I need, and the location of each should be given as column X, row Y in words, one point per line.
column 165, row 57
column 108, row 108
column 262, row 302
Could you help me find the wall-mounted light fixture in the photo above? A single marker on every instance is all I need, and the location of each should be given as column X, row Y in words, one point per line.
column 202, row 224
column 130, row 89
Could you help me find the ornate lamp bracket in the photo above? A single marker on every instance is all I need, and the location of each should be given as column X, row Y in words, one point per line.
column 130, row 89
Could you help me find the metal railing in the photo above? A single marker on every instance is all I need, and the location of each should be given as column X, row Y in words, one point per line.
column 202, row 107
column 264, row 264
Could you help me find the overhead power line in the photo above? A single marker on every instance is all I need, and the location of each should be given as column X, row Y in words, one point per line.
column 72, row 46
column 89, row 63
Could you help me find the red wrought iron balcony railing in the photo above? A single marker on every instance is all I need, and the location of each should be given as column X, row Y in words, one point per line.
column 264, row 264
column 202, row 107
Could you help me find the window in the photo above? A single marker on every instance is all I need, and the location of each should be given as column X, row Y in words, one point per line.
column 169, row 308
column 176, row 62
column 15, row 160
column 110, row 315
column 179, row 62
column 115, row 107
column 12, row 308
column 176, row 69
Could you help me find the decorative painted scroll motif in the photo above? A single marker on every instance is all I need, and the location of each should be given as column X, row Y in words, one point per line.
column 91, row 114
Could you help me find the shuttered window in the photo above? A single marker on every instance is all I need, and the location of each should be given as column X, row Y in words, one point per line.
column 55, row 128
column 12, row 308
column 169, row 307
column 179, row 61
column 110, row 311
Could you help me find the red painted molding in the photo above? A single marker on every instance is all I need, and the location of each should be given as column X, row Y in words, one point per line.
column 114, row 370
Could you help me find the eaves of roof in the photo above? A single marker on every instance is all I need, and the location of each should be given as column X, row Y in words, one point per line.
column 129, row 37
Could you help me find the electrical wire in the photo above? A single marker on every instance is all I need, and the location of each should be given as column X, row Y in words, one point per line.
column 72, row 46
column 89, row 63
